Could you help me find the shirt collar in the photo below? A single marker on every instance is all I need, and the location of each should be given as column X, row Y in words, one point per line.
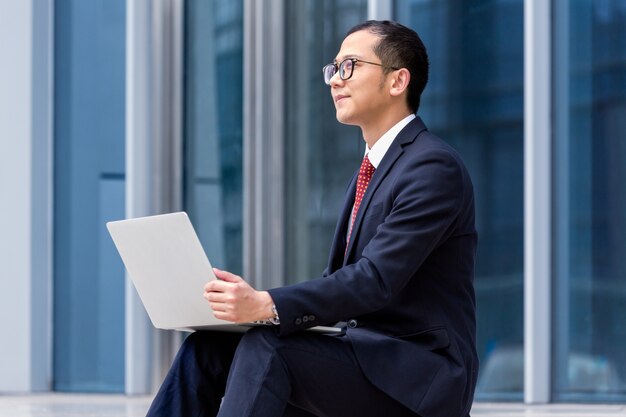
column 381, row 146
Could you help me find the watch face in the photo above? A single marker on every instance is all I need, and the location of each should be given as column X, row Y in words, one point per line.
column 274, row 320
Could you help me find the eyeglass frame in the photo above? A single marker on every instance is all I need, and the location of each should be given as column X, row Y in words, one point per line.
column 338, row 68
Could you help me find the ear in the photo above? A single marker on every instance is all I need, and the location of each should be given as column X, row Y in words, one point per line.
column 399, row 82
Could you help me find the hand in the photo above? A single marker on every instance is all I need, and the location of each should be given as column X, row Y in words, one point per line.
column 233, row 299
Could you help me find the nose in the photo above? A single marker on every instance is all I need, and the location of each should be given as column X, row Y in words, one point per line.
column 335, row 80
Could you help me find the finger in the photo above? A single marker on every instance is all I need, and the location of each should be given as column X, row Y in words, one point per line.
column 218, row 307
column 227, row 276
column 217, row 286
column 215, row 297
column 222, row 316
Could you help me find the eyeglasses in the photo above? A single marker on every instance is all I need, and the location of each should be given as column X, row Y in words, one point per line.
column 346, row 68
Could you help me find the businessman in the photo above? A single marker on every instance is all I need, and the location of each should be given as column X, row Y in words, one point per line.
column 400, row 275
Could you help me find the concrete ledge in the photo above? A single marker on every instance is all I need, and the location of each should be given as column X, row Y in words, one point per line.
column 95, row 405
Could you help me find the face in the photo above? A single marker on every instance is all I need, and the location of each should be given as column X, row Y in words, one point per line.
column 361, row 99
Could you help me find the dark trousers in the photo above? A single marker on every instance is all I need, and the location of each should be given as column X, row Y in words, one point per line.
column 260, row 374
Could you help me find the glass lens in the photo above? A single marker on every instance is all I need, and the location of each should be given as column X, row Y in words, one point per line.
column 329, row 70
column 345, row 69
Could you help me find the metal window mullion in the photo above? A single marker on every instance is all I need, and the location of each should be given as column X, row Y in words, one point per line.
column 153, row 161
column 42, row 202
column 249, row 55
column 167, row 37
column 379, row 9
column 138, row 335
column 264, row 142
column 537, row 201
column 562, row 208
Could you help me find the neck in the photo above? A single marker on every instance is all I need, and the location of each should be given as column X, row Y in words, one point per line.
column 374, row 130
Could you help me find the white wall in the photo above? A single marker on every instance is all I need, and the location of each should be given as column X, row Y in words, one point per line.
column 25, row 187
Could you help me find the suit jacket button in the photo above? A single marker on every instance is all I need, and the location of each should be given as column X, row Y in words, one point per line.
column 305, row 319
column 298, row 321
column 352, row 323
column 311, row 317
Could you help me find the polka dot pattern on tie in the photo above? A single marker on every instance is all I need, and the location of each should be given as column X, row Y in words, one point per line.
column 365, row 175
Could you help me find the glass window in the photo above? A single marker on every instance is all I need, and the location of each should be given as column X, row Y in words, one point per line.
column 590, row 200
column 474, row 100
column 321, row 154
column 213, row 155
column 89, row 71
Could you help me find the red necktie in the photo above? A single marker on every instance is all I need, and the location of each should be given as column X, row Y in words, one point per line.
column 365, row 175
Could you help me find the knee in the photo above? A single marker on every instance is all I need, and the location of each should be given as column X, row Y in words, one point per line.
column 260, row 337
column 259, row 347
column 195, row 340
column 194, row 343
column 200, row 344
column 207, row 350
column 262, row 333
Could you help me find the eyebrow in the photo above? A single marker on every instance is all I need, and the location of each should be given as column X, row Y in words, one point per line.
column 339, row 59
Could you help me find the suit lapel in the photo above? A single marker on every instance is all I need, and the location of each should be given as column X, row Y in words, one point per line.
column 406, row 135
column 338, row 249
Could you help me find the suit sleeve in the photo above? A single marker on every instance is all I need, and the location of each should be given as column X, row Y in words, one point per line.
column 426, row 199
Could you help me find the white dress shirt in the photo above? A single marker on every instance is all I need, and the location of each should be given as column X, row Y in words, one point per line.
column 382, row 145
column 379, row 150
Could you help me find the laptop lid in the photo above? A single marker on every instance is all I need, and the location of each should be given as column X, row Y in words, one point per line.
column 169, row 269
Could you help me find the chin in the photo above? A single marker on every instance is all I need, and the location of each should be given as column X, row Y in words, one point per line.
column 344, row 118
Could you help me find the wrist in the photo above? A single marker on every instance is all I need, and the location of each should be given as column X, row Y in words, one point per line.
column 274, row 319
column 270, row 314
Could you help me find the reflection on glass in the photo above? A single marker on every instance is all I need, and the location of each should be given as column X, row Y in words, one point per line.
column 590, row 200
column 213, row 161
column 321, row 154
column 474, row 100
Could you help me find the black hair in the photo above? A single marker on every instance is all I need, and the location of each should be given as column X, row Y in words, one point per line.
column 400, row 47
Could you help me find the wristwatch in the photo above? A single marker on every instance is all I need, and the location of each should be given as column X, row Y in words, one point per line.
column 274, row 320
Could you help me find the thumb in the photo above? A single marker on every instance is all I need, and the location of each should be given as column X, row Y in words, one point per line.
column 226, row 276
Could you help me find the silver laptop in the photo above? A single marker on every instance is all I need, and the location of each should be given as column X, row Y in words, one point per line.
column 169, row 269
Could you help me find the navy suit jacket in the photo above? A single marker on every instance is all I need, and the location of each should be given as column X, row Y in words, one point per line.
column 405, row 284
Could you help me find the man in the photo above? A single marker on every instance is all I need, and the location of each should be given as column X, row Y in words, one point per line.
column 400, row 274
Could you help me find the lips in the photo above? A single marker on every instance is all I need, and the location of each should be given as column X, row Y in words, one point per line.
column 339, row 97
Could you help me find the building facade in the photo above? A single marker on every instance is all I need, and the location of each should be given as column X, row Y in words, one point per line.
column 112, row 109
